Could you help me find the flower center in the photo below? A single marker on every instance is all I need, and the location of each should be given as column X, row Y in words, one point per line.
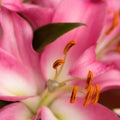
column 55, row 87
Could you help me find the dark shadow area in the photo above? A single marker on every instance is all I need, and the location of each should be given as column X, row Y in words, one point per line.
column 4, row 103
column 110, row 99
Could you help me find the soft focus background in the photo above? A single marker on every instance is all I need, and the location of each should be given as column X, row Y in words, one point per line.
column 110, row 98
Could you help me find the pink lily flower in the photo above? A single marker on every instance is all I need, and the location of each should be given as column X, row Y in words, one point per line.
column 44, row 84
column 108, row 48
column 59, row 7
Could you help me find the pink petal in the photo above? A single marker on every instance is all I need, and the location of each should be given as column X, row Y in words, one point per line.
column 109, row 80
column 37, row 15
column 16, row 79
column 14, row 5
column 45, row 114
column 18, row 42
column 87, row 62
column 77, row 111
column 80, row 11
column 88, row 12
column 113, row 4
column 14, row 40
column 113, row 58
column 47, row 3
column 15, row 111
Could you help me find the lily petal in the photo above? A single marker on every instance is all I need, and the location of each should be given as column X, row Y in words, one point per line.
column 18, row 42
column 88, row 10
column 14, row 5
column 16, row 111
column 37, row 15
column 48, row 3
column 87, row 62
column 77, row 111
column 45, row 114
column 21, row 39
column 15, row 79
column 113, row 58
column 109, row 80
column 113, row 4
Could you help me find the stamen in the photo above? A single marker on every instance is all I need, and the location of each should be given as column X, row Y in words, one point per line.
column 118, row 48
column 96, row 95
column 58, row 63
column 73, row 95
column 88, row 96
column 89, row 79
column 115, row 22
column 68, row 46
column 116, row 18
column 93, row 92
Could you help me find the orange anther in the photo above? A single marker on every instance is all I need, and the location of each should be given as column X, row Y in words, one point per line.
column 88, row 96
column 96, row 94
column 68, row 46
column 74, row 93
column 116, row 18
column 89, row 79
column 57, row 63
column 93, row 92
column 118, row 48
column 115, row 22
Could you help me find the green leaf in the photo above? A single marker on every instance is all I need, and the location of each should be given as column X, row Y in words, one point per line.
column 50, row 32
column 25, row 1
